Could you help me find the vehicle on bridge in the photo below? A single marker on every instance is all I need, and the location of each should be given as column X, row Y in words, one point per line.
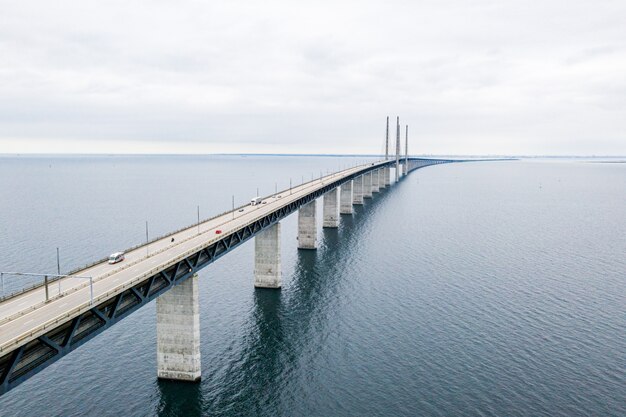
column 116, row 257
column 36, row 335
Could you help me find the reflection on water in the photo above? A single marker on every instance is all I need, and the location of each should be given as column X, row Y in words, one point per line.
column 179, row 399
column 284, row 320
column 467, row 289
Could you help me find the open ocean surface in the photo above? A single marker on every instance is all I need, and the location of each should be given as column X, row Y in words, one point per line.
column 469, row 289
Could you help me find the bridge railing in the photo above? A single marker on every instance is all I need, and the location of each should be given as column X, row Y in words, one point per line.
column 29, row 285
column 99, row 298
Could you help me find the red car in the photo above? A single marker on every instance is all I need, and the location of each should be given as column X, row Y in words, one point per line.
column 217, row 232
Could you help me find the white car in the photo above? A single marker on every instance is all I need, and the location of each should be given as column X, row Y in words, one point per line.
column 116, row 257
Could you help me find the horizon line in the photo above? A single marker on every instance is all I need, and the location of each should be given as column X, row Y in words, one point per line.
column 308, row 154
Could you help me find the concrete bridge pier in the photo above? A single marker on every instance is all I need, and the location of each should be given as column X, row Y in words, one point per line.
column 267, row 266
column 345, row 203
column 307, row 228
column 331, row 209
column 387, row 176
column 405, row 168
column 178, row 332
column 358, row 190
column 367, row 185
column 375, row 181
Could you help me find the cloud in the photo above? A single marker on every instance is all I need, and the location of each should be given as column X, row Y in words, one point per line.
column 241, row 76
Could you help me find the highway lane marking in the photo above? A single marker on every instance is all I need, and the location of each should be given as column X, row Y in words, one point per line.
column 245, row 218
column 135, row 269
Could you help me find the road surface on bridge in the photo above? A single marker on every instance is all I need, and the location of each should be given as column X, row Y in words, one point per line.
column 28, row 316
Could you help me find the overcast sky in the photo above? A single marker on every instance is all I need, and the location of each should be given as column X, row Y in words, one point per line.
column 469, row 77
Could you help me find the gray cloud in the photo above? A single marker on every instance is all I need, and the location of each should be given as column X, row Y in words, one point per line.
column 241, row 76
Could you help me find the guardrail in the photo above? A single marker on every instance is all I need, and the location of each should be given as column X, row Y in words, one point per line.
column 85, row 306
column 83, row 268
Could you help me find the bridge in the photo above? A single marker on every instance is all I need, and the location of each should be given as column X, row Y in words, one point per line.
column 42, row 324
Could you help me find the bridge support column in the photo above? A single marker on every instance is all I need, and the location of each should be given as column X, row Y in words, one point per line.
column 178, row 332
column 358, row 190
column 307, row 227
column 331, row 209
column 267, row 267
column 387, row 176
column 405, row 168
column 375, row 181
column 367, row 185
column 345, row 206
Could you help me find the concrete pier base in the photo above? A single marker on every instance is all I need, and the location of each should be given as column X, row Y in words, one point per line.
column 331, row 209
column 267, row 266
column 387, row 176
column 178, row 332
column 345, row 203
column 367, row 185
column 357, row 193
column 376, row 181
column 405, row 168
column 307, row 229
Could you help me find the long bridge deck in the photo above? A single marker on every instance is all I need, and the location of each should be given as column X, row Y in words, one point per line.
column 35, row 333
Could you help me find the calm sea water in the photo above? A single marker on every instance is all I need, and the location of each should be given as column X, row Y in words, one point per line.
column 482, row 289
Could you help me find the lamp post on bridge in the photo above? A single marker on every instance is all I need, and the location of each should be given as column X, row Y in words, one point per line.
column 59, row 269
column 45, row 282
column 147, row 241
